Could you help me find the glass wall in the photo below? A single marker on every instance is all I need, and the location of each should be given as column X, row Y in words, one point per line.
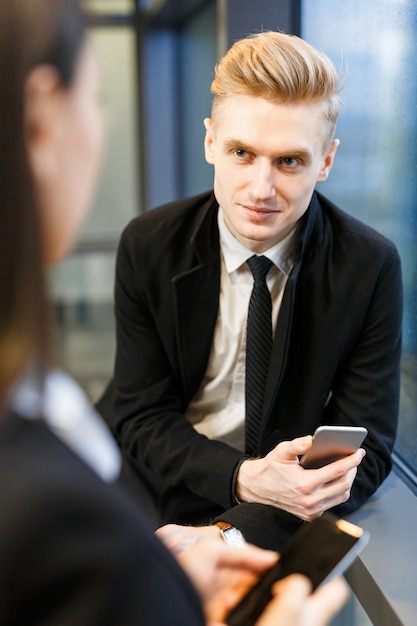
column 116, row 200
column 118, row 7
column 375, row 173
column 198, row 57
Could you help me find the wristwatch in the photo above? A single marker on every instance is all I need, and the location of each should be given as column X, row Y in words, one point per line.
column 231, row 535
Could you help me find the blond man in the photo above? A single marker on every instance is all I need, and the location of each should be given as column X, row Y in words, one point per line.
column 182, row 293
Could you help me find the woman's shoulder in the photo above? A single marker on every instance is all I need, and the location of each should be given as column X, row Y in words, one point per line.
column 65, row 524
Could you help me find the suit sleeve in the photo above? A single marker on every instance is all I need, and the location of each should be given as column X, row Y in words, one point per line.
column 263, row 525
column 366, row 387
column 150, row 402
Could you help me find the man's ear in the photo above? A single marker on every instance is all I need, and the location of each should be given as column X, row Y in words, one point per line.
column 42, row 120
column 209, row 141
column 328, row 161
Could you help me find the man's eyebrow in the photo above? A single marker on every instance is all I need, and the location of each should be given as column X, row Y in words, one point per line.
column 297, row 153
column 232, row 144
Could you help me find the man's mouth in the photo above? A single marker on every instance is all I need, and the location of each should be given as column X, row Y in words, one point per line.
column 257, row 212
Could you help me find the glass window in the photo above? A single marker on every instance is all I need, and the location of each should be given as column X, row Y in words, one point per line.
column 118, row 7
column 116, row 200
column 198, row 57
column 375, row 172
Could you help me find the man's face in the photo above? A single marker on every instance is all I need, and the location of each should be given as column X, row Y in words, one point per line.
column 267, row 160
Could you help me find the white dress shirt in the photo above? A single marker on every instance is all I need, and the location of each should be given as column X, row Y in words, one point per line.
column 218, row 408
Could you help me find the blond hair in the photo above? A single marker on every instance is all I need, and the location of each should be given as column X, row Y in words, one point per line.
column 281, row 68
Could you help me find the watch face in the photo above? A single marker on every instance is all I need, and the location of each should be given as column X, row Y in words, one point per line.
column 233, row 537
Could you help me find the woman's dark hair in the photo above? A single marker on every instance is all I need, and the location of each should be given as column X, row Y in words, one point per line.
column 32, row 32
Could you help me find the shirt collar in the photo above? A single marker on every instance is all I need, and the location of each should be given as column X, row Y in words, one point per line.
column 69, row 415
column 236, row 254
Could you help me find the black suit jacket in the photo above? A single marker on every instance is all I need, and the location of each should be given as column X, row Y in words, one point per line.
column 75, row 551
column 335, row 356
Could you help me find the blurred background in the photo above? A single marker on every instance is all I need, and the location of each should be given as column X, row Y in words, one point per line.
column 157, row 59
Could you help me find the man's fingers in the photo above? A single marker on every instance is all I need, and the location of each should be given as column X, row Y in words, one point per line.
column 338, row 469
column 291, row 450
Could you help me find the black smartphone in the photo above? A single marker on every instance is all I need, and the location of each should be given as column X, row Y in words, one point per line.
column 321, row 550
column 331, row 443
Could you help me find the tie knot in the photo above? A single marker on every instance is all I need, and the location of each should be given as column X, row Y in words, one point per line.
column 259, row 266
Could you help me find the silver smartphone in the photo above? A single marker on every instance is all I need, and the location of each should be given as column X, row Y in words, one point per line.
column 321, row 550
column 331, row 443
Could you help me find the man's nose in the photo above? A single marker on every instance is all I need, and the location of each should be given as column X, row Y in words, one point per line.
column 262, row 184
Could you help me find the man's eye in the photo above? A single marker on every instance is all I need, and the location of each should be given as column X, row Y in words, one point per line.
column 241, row 153
column 289, row 161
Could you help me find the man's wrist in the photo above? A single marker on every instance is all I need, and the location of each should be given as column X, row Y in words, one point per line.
column 245, row 478
column 235, row 489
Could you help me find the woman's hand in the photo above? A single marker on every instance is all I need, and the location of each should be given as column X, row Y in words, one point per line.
column 293, row 603
column 222, row 574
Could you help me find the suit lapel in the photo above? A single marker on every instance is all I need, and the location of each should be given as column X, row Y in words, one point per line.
column 196, row 300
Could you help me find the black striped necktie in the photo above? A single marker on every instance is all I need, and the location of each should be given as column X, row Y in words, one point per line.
column 258, row 349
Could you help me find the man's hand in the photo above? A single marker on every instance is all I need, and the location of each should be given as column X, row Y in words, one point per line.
column 278, row 479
